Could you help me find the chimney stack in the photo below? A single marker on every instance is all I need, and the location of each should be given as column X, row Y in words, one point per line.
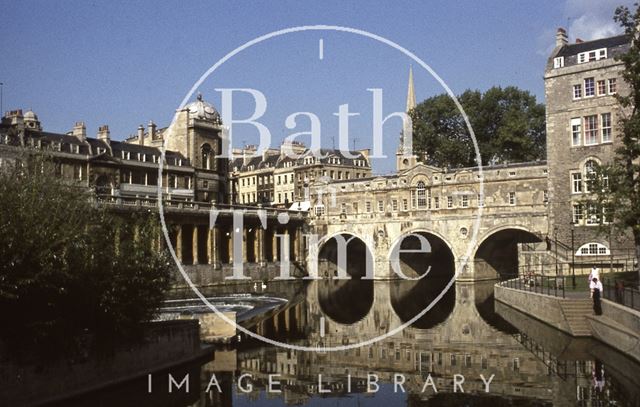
column 141, row 135
column 103, row 133
column 579, row 40
column 561, row 37
column 80, row 131
column 152, row 130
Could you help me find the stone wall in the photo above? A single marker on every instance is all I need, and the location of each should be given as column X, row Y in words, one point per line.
column 167, row 343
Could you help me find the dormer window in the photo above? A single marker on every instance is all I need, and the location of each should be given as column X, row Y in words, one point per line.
column 558, row 62
column 594, row 55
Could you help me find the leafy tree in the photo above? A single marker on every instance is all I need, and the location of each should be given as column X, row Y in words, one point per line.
column 616, row 185
column 508, row 123
column 71, row 272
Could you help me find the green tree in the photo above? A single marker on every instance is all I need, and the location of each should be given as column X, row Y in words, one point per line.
column 71, row 272
column 508, row 123
column 616, row 184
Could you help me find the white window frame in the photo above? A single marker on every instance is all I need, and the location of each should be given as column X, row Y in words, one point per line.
column 576, row 130
column 577, row 213
column 601, row 87
column 577, row 91
column 577, row 186
column 558, row 62
column 591, row 131
column 603, row 128
column 512, row 198
column 589, row 91
column 610, row 82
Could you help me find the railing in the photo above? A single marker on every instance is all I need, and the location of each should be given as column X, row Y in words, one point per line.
column 617, row 292
column 538, row 283
column 148, row 201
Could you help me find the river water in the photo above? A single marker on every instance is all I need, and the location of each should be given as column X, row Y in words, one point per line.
column 465, row 351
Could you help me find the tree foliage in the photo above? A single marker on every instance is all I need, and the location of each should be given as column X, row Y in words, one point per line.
column 70, row 270
column 508, row 123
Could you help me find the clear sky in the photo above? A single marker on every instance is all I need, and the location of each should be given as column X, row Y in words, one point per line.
column 125, row 63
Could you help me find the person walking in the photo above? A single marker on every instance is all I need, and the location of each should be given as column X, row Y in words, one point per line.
column 596, row 292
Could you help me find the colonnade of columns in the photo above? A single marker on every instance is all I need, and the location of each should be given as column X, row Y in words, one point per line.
column 199, row 244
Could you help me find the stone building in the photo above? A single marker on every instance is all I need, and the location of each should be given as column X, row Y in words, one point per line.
column 128, row 170
column 581, row 81
column 275, row 178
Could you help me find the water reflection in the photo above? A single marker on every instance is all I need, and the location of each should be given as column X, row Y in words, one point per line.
column 529, row 362
column 345, row 301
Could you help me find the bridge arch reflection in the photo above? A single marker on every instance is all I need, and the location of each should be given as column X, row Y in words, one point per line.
column 345, row 301
column 409, row 298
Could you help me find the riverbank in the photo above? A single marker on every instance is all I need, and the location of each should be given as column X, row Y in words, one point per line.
column 618, row 326
column 166, row 343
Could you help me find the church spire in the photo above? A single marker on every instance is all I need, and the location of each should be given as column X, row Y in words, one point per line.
column 411, row 93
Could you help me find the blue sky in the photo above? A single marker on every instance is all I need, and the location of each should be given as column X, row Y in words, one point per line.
column 125, row 63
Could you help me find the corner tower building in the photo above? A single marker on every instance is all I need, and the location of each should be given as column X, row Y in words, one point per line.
column 581, row 81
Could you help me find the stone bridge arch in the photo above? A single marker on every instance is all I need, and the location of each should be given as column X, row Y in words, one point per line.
column 496, row 253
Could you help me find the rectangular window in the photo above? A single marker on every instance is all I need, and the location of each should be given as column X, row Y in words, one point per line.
column 590, row 130
column 613, row 86
column 394, row 205
column 355, row 207
column 512, row 198
column 380, row 206
column 480, row 200
column 558, row 62
column 577, row 214
column 436, row 202
column 593, row 216
column 589, row 87
column 405, row 205
column 319, row 210
column 577, row 91
column 367, row 206
column 606, row 127
column 545, row 197
column 343, row 207
column 576, row 182
column 449, row 202
column 576, row 131
column 602, row 88
column 465, row 201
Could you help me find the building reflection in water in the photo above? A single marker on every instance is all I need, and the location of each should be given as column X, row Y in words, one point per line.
column 532, row 364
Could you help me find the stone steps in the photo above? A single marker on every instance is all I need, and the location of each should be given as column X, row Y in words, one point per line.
column 575, row 313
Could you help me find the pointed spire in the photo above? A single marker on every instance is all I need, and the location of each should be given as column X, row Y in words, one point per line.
column 411, row 93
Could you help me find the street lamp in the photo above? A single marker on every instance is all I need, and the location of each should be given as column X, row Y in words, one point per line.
column 555, row 238
column 573, row 256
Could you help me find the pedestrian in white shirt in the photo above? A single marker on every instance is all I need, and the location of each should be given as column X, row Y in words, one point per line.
column 595, row 273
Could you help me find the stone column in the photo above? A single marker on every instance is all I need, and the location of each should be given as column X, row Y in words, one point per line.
column 194, row 244
column 230, row 245
column 260, row 236
column 287, row 253
column 213, row 246
column 295, row 237
column 245, row 245
column 178, row 248
column 274, row 246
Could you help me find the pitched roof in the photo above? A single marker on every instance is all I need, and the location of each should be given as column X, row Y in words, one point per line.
column 575, row 49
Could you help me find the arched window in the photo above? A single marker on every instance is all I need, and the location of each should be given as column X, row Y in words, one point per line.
column 421, row 192
column 207, row 157
column 592, row 249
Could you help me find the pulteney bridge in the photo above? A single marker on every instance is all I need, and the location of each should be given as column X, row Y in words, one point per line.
column 376, row 214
